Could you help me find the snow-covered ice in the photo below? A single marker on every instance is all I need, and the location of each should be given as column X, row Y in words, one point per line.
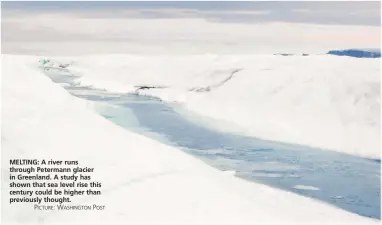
column 306, row 187
column 323, row 101
column 143, row 180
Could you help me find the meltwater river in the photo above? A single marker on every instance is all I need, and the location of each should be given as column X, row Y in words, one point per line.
column 349, row 182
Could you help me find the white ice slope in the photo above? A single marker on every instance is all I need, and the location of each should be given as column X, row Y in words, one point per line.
column 323, row 101
column 144, row 182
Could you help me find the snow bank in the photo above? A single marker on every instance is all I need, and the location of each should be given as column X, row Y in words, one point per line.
column 318, row 100
column 143, row 181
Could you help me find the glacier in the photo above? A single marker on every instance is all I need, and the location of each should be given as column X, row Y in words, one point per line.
column 322, row 101
column 150, row 182
column 222, row 76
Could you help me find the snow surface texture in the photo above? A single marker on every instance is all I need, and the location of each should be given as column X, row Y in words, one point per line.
column 323, row 101
column 143, row 180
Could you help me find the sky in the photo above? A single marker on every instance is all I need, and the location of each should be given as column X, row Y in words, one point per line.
column 356, row 13
column 225, row 25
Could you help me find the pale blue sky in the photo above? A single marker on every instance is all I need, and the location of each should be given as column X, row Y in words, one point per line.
column 352, row 13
